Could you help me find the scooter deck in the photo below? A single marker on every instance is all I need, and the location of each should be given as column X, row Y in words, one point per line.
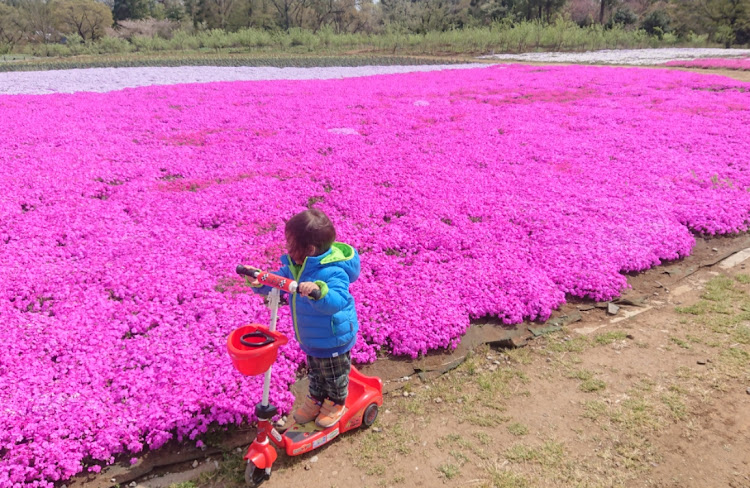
column 363, row 390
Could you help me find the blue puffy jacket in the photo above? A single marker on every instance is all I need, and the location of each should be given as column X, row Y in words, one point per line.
column 328, row 326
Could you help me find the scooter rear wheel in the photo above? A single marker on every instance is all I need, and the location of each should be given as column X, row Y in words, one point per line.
column 254, row 476
column 371, row 413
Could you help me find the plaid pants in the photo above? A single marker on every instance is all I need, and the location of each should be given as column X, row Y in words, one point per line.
column 329, row 377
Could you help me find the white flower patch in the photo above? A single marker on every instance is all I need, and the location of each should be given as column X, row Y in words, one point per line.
column 110, row 79
column 623, row 56
column 347, row 131
column 421, row 103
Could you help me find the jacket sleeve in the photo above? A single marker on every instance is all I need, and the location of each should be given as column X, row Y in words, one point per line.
column 265, row 289
column 334, row 293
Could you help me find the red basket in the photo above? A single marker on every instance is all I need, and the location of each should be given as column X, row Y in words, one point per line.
column 258, row 352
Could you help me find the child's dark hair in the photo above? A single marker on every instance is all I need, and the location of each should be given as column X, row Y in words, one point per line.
column 311, row 228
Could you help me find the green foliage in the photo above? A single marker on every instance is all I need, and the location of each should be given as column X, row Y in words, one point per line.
column 501, row 36
column 130, row 9
column 623, row 16
column 184, row 41
column 215, row 39
column 75, row 43
column 254, row 38
column 726, row 35
column 87, row 18
column 657, row 23
column 150, row 44
column 112, row 45
column 12, row 27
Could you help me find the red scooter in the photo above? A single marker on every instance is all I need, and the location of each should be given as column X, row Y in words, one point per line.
column 253, row 350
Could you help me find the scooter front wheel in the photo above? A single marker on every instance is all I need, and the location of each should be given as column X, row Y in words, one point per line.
column 254, row 476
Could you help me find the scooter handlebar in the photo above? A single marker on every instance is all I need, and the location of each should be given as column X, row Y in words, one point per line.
column 272, row 280
column 247, row 271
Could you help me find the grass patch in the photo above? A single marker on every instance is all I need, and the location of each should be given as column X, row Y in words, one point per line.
column 449, row 471
column 452, row 439
column 503, row 478
column 380, row 448
column 550, row 454
column 694, row 339
column 277, row 59
column 638, row 416
column 566, row 344
column 592, row 385
column 610, row 337
column 594, row 410
column 483, row 437
column 486, row 420
column 414, row 406
column 231, row 472
column 735, row 356
column 588, row 382
column 635, row 453
column 581, row 374
column 521, row 453
column 675, row 404
column 521, row 355
column 460, row 457
column 683, row 344
column 720, row 289
column 517, row 429
column 703, row 307
column 742, row 334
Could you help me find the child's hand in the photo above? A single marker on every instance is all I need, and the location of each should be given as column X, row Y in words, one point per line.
column 307, row 287
column 256, row 284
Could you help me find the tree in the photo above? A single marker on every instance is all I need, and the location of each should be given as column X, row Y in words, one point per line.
column 603, row 6
column 623, row 16
column 729, row 20
column 286, row 10
column 174, row 10
column 11, row 27
column 489, row 11
column 657, row 23
column 38, row 20
column 354, row 16
column 87, row 18
column 131, row 9
column 218, row 10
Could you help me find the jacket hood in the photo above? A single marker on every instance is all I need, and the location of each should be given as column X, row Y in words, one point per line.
column 341, row 255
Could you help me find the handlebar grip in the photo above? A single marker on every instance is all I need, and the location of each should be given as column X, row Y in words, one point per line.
column 247, row 271
column 315, row 295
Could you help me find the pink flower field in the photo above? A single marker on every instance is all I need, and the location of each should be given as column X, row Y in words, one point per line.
column 494, row 191
column 741, row 64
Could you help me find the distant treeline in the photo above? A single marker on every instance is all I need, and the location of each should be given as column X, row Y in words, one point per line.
column 64, row 27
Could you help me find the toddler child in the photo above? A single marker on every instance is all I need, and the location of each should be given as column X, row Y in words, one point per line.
column 326, row 328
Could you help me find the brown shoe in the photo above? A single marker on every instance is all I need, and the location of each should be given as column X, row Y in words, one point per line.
column 308, row 411
column 330, row 413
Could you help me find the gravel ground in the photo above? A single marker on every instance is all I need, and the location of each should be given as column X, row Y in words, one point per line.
column 624, row 56
column 110, row 79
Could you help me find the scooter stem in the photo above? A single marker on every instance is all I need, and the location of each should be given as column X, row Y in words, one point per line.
column 273, row 305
